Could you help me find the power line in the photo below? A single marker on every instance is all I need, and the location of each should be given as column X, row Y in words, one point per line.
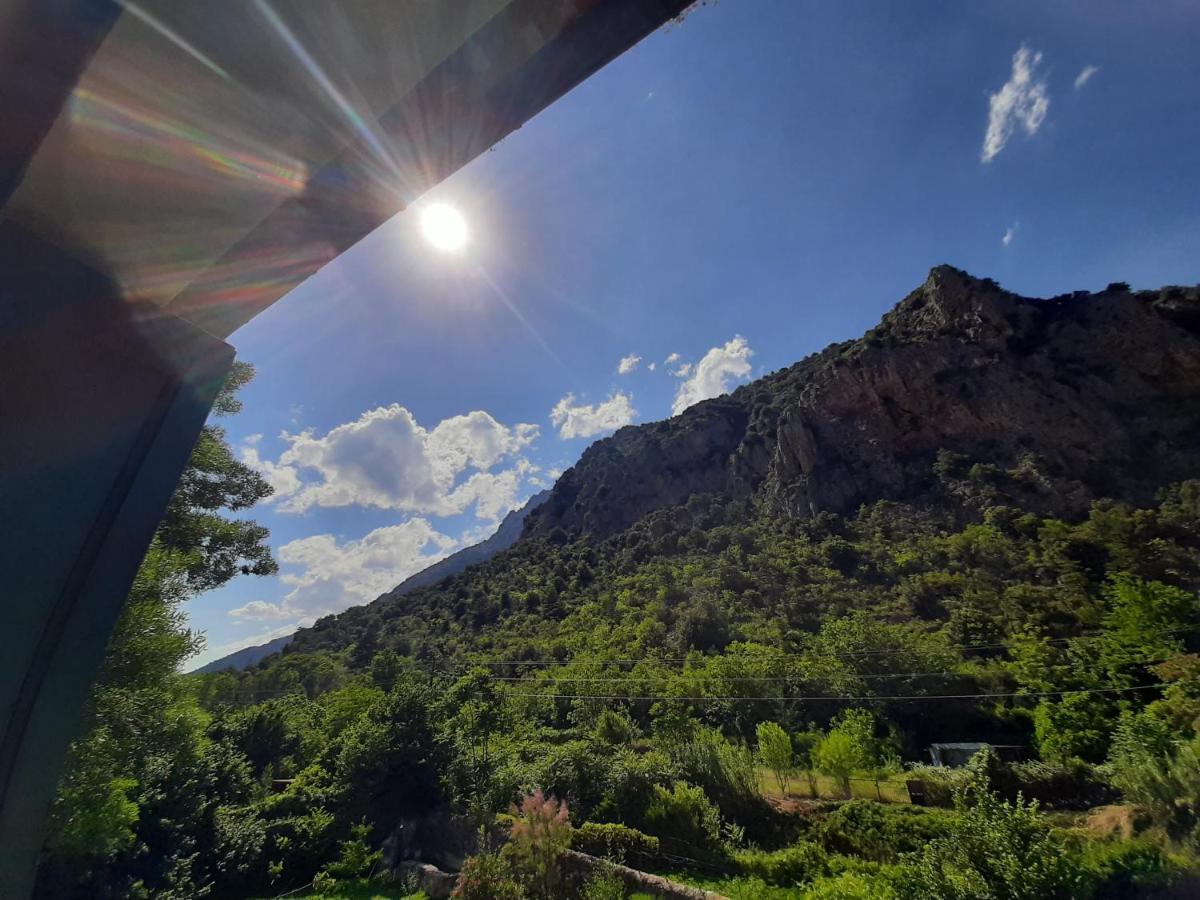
column 739, row 678
column 840, row 697
column 848, row 654
column 797, row 676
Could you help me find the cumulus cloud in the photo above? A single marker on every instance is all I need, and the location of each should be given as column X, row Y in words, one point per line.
column 1009, row 233
column 386, row 459
column 326, row 575
column 651, row 366
column 715, row 374
column 259, row 611
column 284, row 480
column 671, row 360
column 682, row 370
column 1021, row 101
column 629, row 363
column 1085, row 76
column 575, row 420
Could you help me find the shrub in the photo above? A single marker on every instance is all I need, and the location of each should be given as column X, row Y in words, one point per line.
column 1075, row 784
column 1126, row 868
column 726, row 773
column 941, row 783
column 603, row 886
column 793, row 865
column 1155, row 773
column 577, row 770
column 879, row 832
column 684, row 814
column 540, row 834
column 851, row 886
column 631, row 780
column 995, row 849
column 614, row 728
column 487, row 876
column 614, row 841
column 356, row 858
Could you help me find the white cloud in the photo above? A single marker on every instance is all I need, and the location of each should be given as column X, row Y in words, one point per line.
column 327, row 576
column 682, row 370
column 259, row 611
column 385, row 459
column 671, row 360
column 1022, row 101
column 1009, row 233
column 576, row 420
column 651, row 366
column 1085, row 76
column 285, row 480
column 252, row 440
column 714, row 374
column 629, row 363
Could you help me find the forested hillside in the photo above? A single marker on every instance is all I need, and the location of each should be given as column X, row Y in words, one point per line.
column 979, row 523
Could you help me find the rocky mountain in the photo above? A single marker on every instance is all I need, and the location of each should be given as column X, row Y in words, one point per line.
column 506, row 535
column 1081, row 395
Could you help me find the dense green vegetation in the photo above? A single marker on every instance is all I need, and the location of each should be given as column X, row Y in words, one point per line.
column 659, row 697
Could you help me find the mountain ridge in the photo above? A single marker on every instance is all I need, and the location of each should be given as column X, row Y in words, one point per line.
column 1085, row 381
column 965, row 397
column 505, row 535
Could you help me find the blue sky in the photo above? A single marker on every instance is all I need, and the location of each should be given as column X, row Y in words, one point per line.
column 740, row 190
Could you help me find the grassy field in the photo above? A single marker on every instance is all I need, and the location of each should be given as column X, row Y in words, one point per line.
column 355, row 890
column 799, row 787
column 743, row 887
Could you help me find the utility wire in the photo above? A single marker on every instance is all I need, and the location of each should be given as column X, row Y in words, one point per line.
column 797, row 676
column 740, row 678
column 864, row 697
column 849, row 654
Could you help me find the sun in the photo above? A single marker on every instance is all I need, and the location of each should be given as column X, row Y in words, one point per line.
column 444, row 227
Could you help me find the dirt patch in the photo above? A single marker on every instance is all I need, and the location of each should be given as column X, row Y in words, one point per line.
column 1121, row 820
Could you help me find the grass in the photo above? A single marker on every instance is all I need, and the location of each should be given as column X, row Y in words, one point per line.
column 891, row 790
column 359, row 889
column 738, row 887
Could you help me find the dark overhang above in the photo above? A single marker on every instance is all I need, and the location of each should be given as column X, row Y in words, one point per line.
column 207, row 158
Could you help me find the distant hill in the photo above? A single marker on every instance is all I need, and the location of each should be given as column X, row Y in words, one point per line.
column 244, row 658
column 505, row 536
column 965, row 397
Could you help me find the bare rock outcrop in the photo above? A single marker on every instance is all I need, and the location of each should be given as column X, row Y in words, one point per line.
column 1093, row 394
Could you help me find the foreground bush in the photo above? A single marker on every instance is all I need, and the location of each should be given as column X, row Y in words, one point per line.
column 684, row 814
column 540, row 834
column 1126, row 868
column 793, row 865
column 997, row 849
column 878, row 832
column 614, row 841
column 487, row 876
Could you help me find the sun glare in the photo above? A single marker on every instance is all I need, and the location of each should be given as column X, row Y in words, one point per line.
column 444, row 226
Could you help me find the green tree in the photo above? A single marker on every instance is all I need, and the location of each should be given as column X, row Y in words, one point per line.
column 141, row 789
column 775, row 752
column 840, row 755
column 997, row 850
column 850, row 746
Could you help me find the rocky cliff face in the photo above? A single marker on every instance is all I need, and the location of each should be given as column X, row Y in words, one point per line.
column 1085, row 394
